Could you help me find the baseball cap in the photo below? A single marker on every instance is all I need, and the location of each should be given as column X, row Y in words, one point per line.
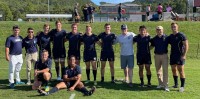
column 124, row 26
column 159, row 27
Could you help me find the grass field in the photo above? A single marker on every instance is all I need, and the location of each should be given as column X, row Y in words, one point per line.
column 107, row 90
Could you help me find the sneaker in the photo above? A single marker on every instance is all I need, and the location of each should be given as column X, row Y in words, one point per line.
column 159, row 86
column 181, row 89
column 20, row 83
column 92, row 90
column 175, row 86
column 125, row 81
column 113, row 81
column 149, row 85
column 47, row 88
column 95, row 83
column 102, row 81
column 28, row 83
column 141, row 85
column 87, row 81
column 59, row 78
column 12, row 85
column 130, row 85
column 167, row 89
column 43, row 93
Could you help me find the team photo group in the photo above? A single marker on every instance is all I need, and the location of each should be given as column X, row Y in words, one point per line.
column 48, row 46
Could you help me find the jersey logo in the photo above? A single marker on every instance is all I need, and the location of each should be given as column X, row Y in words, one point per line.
column 18, row 40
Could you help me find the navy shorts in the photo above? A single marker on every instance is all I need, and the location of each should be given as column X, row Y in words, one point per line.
column 176, row 60
column 143, row 59
column 74, row 53
column 59, row 54
column 107, row 56
column 70, row 84
column 41, row 78
column 89, row 56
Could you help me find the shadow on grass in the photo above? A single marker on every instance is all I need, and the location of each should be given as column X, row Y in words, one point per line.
column 122, row 86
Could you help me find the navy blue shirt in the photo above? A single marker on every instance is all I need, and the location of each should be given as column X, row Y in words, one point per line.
column 89, row 42
column 107, row 41
column 91, row 9
column 44, row 41
column 74, row 41
column 14, row 44
column 40, row 66
column 160, row 44
column 30, row 45
column 58, row 39
column 142, row 44
column 73, row 72
column 176, row 43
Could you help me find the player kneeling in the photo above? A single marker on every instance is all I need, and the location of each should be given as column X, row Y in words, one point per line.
column 42, row 72
column 71, row 80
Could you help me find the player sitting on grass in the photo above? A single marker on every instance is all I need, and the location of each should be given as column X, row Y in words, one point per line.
column 42, row 72
column 71, row 80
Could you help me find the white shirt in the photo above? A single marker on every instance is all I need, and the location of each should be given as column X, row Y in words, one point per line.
column 126, row 43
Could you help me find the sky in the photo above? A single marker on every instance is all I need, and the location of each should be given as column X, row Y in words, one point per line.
column 110, row 1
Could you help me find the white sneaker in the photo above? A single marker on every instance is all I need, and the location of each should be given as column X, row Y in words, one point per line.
column 159, row 86
column 59, row 78
column 167, row 89
column 28, row 83
column 181, row 89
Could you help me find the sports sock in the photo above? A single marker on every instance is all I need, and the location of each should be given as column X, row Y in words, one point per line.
column 62, row 72
column 182, row 82
column 57, row 71
column 175, row 80
column 95, row 74
column 84, row 91
column 102, row 78
column 142, row 81
column 53, row 90
column 88, row 74
column 149, row 79
column 112, row 78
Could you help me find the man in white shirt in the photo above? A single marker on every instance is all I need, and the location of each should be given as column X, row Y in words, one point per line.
column 127, row 58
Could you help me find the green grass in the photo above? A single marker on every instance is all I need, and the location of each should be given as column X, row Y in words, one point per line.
column 107, row 90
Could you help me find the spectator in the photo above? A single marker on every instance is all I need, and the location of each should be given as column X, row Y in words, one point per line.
column 120, row 11
column 85, row 12
column 148, row 9
column 76, row 14
column 91, row 10
column 168, row 9
column 160, row 10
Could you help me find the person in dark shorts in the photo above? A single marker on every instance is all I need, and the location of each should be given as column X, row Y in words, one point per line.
column 71, row 80
column 59, row 53
column 143, row 54
column 107, row 39
column 74, row 39
column 179, row 48
column 42, row 72
column 90, row 56
column 44, row 40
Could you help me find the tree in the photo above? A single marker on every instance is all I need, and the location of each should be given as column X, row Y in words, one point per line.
column 7, row 14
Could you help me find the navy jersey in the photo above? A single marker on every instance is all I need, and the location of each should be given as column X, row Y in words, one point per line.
column 89, row 42
column 73, row 72
column 14, row 44
column 40, row 66
column 44, row 41
column 160, row 44
column 30, row 45
column 142, row 44
column 176, row 43
column 91, row 9
column 107, row 41
column 58, row 39
column 74, row 41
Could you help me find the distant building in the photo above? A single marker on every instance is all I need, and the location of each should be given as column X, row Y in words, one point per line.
column 113, row 8
column 196, row 3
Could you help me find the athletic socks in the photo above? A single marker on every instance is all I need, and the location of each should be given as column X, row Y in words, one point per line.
column 142, row 81
column 53, row 90
column 149, row 79
column 58, row 71
column 182, row 82
column 102, row 79
column 175, row 80
column 88, row 74
column 112, row 78
column 84, row 91
column 62, row 72
column 95, row 74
